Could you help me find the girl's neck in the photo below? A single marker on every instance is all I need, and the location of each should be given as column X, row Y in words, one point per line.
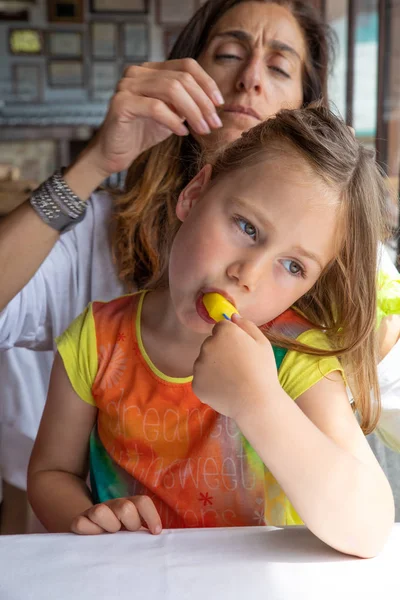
column 171, row 347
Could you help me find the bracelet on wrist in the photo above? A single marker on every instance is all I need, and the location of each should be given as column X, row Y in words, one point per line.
column 57, row 205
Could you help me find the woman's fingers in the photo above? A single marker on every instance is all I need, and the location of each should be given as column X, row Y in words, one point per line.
column 188, row 105
column 179, row 90
column 190, row 65
column 125, row 106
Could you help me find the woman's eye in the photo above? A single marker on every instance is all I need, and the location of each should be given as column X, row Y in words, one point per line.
column 247, row 227
column 227, row 57
column 293, row 268
column 279, row 71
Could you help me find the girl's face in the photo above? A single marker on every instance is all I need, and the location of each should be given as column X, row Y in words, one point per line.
column 260, row 236
column 255, row 54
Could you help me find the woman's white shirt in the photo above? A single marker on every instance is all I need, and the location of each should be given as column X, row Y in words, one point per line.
column 78, row 269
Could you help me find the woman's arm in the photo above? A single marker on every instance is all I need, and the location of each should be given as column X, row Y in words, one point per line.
column 78, row 268
column 58, row 467
column 142, row 113
column 26, row 240
column 317, row 452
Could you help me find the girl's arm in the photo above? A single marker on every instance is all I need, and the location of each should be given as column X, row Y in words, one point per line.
column 58, row 469
column 317, row 452
column 314, row 447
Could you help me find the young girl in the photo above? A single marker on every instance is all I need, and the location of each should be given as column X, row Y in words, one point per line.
column 192, row 424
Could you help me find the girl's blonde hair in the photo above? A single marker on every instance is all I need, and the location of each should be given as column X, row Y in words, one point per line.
column 145, row 213
column 343, row 300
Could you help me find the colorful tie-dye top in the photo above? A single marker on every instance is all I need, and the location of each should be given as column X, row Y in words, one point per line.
column 153, row 435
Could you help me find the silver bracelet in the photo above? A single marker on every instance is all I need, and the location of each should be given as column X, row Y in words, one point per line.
column 57, row 205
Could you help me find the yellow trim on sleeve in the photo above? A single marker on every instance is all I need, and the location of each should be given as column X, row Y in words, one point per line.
column 78, row 349
column 299, row 371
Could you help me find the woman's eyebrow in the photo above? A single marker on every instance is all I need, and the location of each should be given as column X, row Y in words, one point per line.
column 244, row 36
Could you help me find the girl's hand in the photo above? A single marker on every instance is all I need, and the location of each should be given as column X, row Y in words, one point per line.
column 151, row 102
column 235, row 369
column 121, row 513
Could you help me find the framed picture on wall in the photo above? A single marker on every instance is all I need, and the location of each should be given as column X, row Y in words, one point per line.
column 65, row 43
column 16, row 14
column 103, row 38
column 135, row 41
column 170, row 37
column 174, row 12
column 27, row 82
column 119, row 6
column 25, row 41
column 104, row 79
column 65, row 73
column 65, row 11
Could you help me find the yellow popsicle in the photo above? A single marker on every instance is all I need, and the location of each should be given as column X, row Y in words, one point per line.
column 218, row 307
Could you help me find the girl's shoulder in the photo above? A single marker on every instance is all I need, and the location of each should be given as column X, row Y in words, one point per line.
column 109, row 317
column 299, row 371
column 291, row 323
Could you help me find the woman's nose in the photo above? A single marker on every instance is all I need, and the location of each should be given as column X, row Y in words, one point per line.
column 250, row 78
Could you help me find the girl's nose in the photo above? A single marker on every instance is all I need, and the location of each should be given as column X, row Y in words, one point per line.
column 246, row 274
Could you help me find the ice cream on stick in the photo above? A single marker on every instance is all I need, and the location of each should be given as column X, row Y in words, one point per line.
column 218, row 307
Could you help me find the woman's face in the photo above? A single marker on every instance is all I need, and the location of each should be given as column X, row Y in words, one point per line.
column 255, row 54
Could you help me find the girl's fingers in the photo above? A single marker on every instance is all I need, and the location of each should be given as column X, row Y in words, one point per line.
column 148, row 512
column 82, row 525
column 127, row 513
column 103, row 516
column 249, row 327
column 110, row 516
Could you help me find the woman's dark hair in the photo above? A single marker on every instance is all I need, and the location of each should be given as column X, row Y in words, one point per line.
column 145, row 220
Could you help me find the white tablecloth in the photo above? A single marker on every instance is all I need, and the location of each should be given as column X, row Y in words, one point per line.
column 197, row 564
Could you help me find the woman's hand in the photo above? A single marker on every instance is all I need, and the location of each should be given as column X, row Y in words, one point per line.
column 235, row 369
column 151, row 102
column 121, row 513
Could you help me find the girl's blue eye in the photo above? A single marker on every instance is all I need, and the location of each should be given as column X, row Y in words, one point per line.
column 247, row 227
column 293, row 268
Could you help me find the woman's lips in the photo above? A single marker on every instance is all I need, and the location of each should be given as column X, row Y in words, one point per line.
column 245, row 111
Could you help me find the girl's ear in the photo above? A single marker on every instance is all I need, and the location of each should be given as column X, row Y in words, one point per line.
column 190, row 195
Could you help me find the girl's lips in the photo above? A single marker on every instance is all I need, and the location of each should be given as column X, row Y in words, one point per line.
column 202, row 311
